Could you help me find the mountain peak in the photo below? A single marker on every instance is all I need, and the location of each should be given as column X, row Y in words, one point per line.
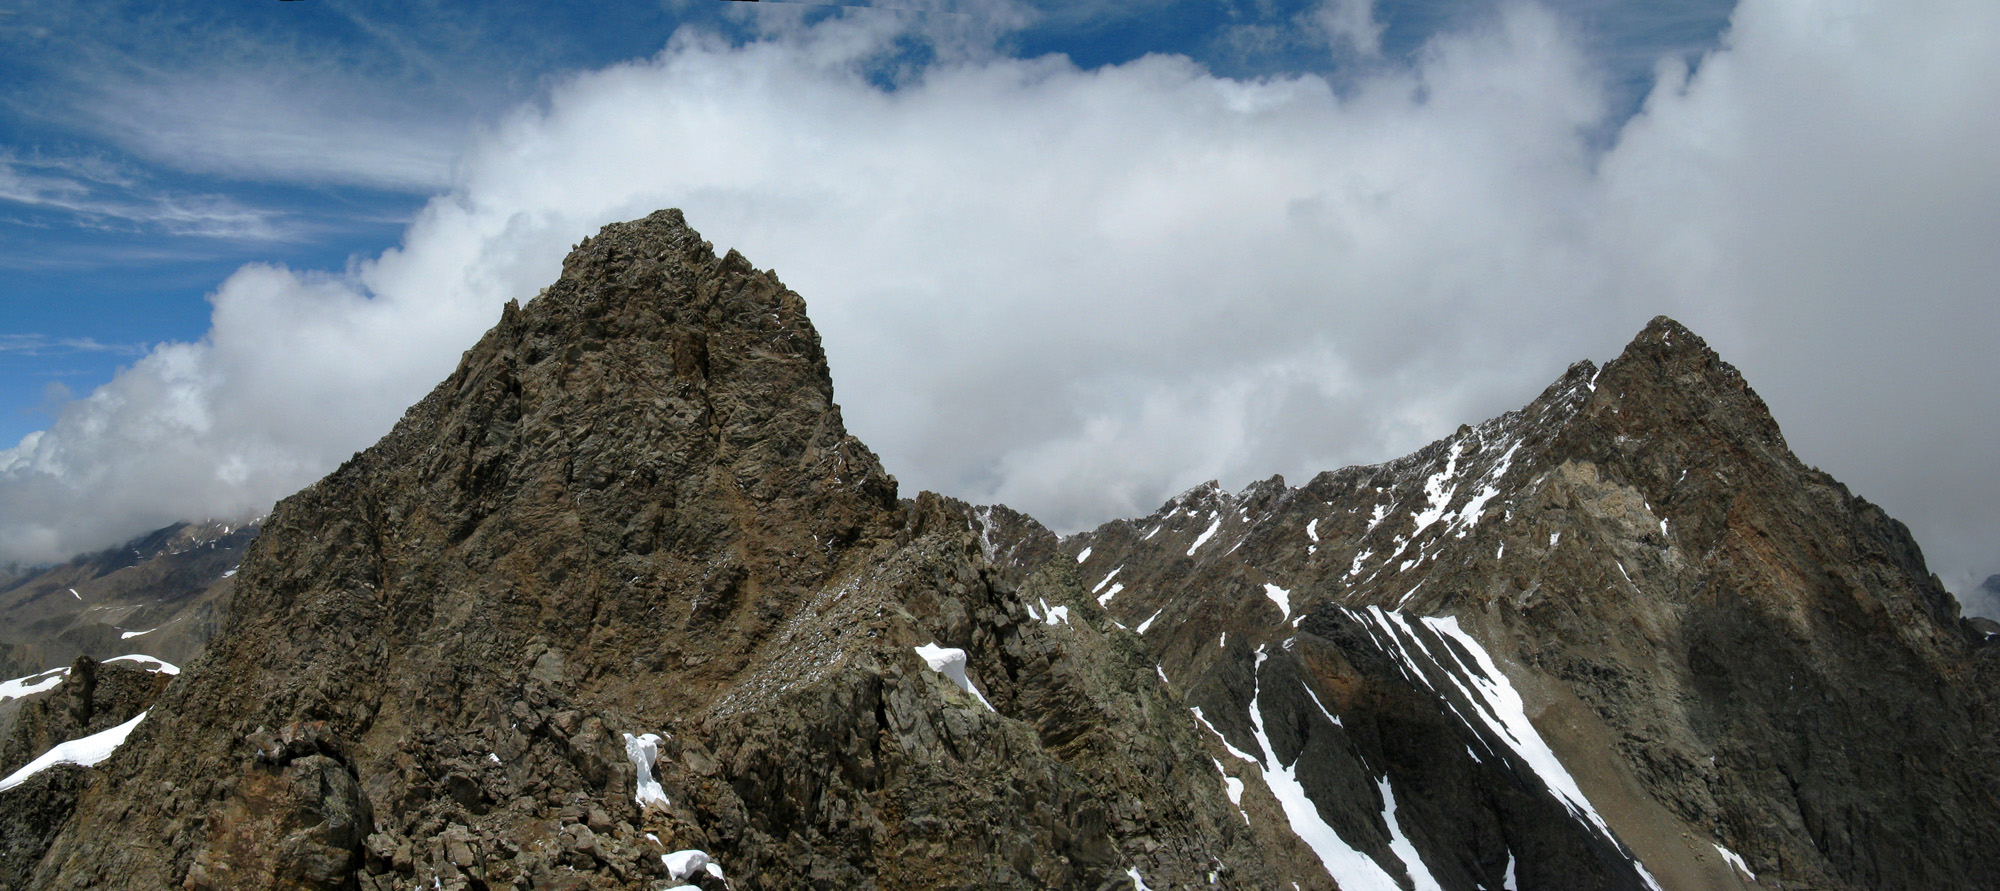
column 622, row 584
column 1666, row 331
column 1668, row 381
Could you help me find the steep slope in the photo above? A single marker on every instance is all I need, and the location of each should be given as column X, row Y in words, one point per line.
column 1728, row 649
column 48, row 732
column 633, row 510
column 620, row 604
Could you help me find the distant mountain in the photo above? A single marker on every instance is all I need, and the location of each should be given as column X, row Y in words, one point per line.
column 162, row 594
column 621, row 604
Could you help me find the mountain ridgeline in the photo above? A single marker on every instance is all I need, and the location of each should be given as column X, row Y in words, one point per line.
column 621, row 605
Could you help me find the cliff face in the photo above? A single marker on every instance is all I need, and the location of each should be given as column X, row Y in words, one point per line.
column 1725, row 646
column 622, row 586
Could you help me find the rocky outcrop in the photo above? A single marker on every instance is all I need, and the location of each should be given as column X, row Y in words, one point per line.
column 634, row 510
column 91, row 698
column 94, row 696
column 620, row 604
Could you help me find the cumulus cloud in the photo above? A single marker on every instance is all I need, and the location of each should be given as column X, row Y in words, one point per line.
column 1817, row 199
column 1078, row 291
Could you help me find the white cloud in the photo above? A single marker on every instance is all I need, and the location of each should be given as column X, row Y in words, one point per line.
column 1820, row 201
column 1081, row 291
column 1349, row 23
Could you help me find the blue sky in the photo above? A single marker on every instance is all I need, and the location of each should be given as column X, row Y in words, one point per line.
column 111, row 237
column 1070, row 256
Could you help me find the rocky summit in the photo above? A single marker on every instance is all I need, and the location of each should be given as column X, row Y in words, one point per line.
column 621, row 605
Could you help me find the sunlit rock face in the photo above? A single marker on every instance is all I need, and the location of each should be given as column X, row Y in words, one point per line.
column 621, row 605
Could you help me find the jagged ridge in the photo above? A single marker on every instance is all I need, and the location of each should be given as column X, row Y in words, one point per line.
column 633, row 508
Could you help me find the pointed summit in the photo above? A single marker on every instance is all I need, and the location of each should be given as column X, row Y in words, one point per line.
column 641, row 470
column 1668, row 381
column 1666, row 342
column 1667, row 332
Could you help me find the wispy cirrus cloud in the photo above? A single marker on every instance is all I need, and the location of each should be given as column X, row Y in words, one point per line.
column 98, row 195
column 322, row 95
column 43, row 345
column 278, row 124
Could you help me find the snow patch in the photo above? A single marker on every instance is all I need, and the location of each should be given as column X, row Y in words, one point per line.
column 1499, row 706
column 644, row 750
column 1281, row 597
column 1435, row 490
column 1355, row 570
column 1410, row 593
column 950, row 662
column 1234, row 751
column 681, row 864
column 1312, row 529
column 1203, row 538
column 1737, row 862
column 32, row 684
column 132, row 634
column 149, row 663
column 1469, row 514
column 1105, row 597
column 1149, row 620
column 1083, row 555
column 1351, row 869
column 1232, row 787
column 1107, row 578
column 1056, row 614
column 1322, row 706
column 1399, row 844
column 987, row 547
column 88, row 751
column 1138, row 884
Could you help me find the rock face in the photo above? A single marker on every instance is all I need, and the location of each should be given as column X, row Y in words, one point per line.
column 621, row 601
column 93, row 696
column 90, row 698
column 1727, row 647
